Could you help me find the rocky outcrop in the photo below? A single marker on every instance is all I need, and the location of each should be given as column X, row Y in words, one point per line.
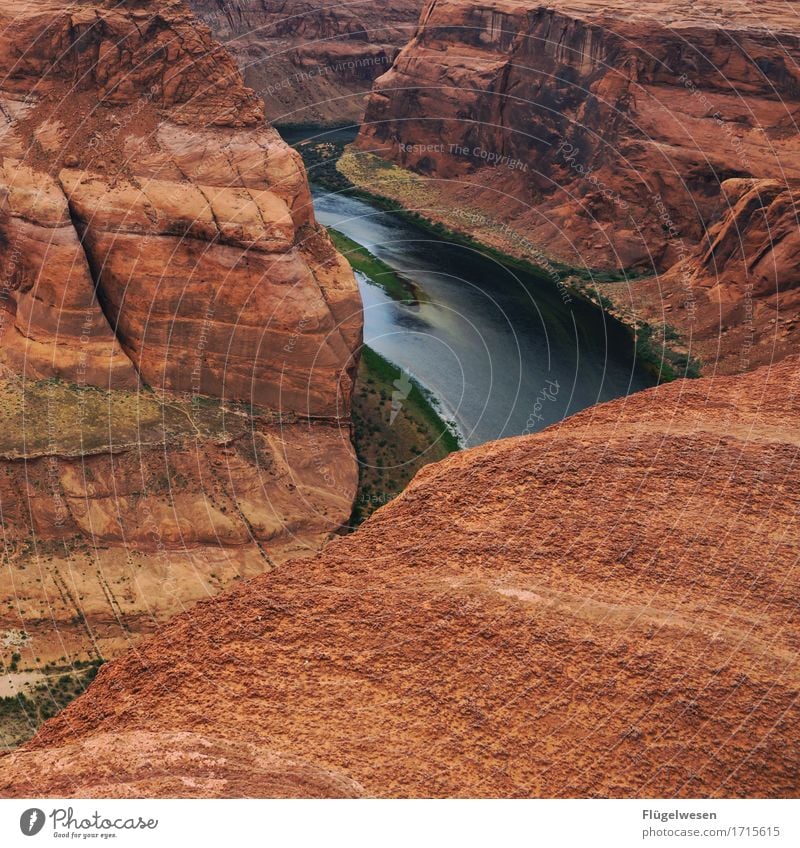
column 611, row 138
column 735, row 298
column 208, row 764
column 51, row 324
column 597, row 130
column 178, row 337
column 313, row 63
column 602, row 609
column 190, row 210
column 120, row 509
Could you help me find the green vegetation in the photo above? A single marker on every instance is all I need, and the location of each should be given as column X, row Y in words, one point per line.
column 22, row 714
column 320, row 159
column 397, row 431
column 376, row 270
column 49, row 417
column 664, row 363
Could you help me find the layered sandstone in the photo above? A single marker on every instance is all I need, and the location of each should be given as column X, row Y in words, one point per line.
column 314, row 63
column 604, row 135
column 607, row 608
column 571, row 119
column 735, row 298
column 177, row 335
column 120, row 509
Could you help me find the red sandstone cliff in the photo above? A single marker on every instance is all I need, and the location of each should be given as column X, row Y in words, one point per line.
column 605, row 134
column 177, row 334
column 656, row 100
column 735, row 298
column 608, row 608
column 312, row 62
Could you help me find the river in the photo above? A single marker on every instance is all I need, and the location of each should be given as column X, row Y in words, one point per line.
column 500, row 351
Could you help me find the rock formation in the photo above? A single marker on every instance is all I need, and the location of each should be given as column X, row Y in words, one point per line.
column 603, row 133
column 177, row 335
column 314, row 63
column 736, row 296
column 605, row 107
column 607, row 608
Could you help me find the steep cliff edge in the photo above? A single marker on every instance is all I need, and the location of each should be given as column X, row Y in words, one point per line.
column 607, row 608
column 177, row 335
column 604, row 108
column 600, row 132
column 735, row 297
column 314, row 63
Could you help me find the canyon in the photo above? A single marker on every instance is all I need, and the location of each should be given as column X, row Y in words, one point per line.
column 605, row 608
column 492, row 633
column 178, row 336
column 613, row 139
column 312, row 62
column 736, row 296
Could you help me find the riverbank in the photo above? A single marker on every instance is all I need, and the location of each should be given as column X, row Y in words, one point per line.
column 397, row 428
column 375, row 270
column 660, row 349
column 397, row 431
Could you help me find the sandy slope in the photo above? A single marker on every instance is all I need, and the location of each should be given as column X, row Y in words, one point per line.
column 606, row 608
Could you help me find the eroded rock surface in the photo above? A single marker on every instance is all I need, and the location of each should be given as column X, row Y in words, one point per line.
column 608, row 608
column 604, row 134
column 651, row 101
column 177, row 335
column 314, row 63
column 736, row 296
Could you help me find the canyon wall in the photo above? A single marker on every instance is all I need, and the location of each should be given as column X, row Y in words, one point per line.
column 313, row 63
column 607, row 608
column 602, row 133
column 178, row 337
column 736, row 295
column 649, row 103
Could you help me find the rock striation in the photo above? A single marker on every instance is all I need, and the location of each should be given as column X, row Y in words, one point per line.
column 736, row 296
column 607, row 608
column 605, row 109
column 610, row 137
column 314, row 63
column 178, row 336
